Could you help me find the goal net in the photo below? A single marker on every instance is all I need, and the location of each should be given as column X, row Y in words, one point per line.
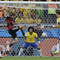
column 28, row 13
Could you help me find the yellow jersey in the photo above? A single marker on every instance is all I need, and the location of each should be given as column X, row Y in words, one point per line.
column 58, row 21
column 58, row 26
column 30, row 38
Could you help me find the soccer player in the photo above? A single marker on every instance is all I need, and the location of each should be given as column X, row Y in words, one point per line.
column 30, row 40
column 57, row 26
column 54, row 50
column 12, row 29
column 39, row 31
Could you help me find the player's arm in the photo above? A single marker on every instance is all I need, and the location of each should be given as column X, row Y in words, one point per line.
column 36, row 36
column 56, row 26
column 25, row 36
column 38, row 40
column 22, row 30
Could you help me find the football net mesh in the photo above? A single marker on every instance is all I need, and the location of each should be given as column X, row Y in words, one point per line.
column 29, row 14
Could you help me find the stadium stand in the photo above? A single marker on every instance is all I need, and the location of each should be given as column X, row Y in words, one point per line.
column 4, row 33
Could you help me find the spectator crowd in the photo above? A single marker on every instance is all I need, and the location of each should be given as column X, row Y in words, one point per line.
column 23, row 15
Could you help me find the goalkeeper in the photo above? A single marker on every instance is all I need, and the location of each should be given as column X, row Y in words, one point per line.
column 57, row 26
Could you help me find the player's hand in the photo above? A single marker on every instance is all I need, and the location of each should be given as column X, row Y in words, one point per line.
column 24, row 40
column 38, row 42
column 20, row 27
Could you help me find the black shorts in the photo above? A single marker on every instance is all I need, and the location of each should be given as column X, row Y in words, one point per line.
column 12, row 32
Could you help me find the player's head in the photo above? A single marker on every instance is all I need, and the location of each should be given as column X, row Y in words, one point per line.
column 38, row 27
column 12, row 15
column 8, row 18
column 58, row 17
column 58, row 21
column 31, row 29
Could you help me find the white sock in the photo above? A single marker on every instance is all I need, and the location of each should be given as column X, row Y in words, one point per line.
column 59, row 44
column 58, row 47
column 40, row 52
column 7, row 48
column 21, row 50
column 0, row 53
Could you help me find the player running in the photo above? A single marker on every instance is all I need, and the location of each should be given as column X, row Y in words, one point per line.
column 30, row 40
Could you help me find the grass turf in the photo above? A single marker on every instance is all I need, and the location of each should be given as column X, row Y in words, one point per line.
column 30, row 58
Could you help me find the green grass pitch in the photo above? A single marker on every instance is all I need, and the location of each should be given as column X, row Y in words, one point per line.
column 30, row 58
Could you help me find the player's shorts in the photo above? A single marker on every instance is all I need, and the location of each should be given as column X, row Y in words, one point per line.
column 59, row 38
column 26, row 45
column 12, row 32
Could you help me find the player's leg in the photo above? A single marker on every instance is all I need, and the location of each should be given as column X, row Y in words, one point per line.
column 13, row 33
column 0, row 51
column 34, row 45
column 14, row 36
column 1, row 54
column 25, row 45
column 55, row 49
column 58, row 44
column 15, row 39
column 8, row 48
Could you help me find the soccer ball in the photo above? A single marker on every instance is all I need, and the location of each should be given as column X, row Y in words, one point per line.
column 55, row 52
column 44, row 34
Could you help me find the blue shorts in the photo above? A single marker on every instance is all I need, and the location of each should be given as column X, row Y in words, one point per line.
column 34, row 45
column 59, row 37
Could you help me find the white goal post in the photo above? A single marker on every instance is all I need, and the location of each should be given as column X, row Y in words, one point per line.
column 30, row 2
column 27, row 4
